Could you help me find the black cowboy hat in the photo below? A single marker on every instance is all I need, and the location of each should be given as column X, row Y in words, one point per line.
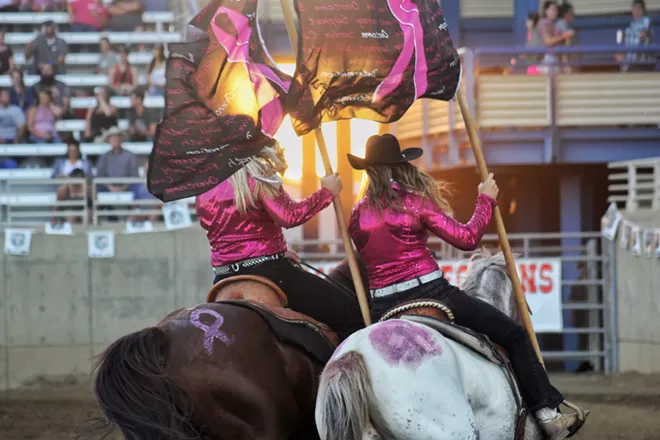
column 384, row 150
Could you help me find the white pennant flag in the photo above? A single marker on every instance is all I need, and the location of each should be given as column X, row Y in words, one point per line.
column 59, row 228
column 101, row 244
column 138, row 227
column 610, row 222
column 176, row 215
column 18, row 241
column 625, row 236
column 636, row 240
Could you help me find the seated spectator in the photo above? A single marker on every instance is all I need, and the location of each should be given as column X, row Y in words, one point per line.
column 21, row 95
column 117, row 162
column 64, row 166
column 44, row 5
column 60, row 92
column 156, row 72
column 88, row 15
column 73, row 191
column 47, row 48
column 125, row 15
column 41, row 119
column 637, row 34
column 143, row 121
column 108, row 57
column 6, row 56
column 12, row 120
column 100, row 118
column 123, row 77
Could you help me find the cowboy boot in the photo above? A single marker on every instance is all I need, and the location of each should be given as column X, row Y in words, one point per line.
column 581, row 415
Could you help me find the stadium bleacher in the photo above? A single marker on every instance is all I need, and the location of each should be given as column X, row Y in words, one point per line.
column 28, row 195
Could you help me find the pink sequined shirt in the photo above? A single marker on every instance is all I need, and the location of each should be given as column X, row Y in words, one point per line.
column 236, row 237
column 393, row 244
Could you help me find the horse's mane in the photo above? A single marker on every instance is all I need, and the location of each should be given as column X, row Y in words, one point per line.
column 481, row 261
column 136, row 395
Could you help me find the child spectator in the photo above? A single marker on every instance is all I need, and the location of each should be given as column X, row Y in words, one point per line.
column 637, row 34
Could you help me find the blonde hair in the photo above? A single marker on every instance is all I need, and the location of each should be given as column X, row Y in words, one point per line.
column 264, row 168
column 377, row 187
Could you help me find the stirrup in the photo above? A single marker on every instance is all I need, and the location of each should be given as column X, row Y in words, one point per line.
column 581, row 416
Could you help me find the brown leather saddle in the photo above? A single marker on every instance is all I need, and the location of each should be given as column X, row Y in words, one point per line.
column 263, row 294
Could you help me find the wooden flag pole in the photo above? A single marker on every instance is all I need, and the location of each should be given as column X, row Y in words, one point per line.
column 339, row 210
column 501, row 232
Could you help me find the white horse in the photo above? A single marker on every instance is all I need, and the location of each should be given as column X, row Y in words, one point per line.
column 401, row 380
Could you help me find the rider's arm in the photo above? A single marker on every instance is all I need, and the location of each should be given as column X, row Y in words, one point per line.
column 288, row 213
column 465, row 237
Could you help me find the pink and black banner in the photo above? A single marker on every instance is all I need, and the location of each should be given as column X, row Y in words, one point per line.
column 370, row 59
column 223, row 103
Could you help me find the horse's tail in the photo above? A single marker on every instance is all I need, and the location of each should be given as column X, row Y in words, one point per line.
column 342, row 404
column 136, row 395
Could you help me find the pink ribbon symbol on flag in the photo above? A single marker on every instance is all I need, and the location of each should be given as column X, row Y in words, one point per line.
column 261, row 76
column 413, row 42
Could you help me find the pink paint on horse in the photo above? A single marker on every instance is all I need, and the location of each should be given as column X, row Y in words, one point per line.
column 402, row 343
column 211, row 331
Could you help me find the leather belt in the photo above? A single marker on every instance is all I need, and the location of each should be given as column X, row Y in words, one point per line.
column 235, row 267
column 406, row 285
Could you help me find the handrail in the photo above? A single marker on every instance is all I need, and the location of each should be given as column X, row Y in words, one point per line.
column 525, row 50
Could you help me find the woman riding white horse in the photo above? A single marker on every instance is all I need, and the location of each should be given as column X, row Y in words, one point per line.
column 390, row 226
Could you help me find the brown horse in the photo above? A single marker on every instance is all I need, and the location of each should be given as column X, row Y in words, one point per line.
column 217, row 371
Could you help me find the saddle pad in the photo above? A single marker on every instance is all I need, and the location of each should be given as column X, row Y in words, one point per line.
column 301, row 334
column 464, row 336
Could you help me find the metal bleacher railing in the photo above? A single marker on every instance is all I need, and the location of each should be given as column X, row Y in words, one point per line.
column 28, row 198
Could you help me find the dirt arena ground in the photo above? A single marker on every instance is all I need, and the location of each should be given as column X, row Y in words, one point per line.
column 623, row 407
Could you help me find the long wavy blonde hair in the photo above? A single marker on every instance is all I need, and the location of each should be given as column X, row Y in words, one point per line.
column 265, row 168
column 377, row 187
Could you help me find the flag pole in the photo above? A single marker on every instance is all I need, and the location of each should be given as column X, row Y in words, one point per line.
column 327, row 165
column 501, row 232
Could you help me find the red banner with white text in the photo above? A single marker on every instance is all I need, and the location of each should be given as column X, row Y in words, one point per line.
column 540, row 279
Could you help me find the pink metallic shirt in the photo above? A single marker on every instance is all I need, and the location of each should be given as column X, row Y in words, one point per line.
column 236, row 237
column 393, row 245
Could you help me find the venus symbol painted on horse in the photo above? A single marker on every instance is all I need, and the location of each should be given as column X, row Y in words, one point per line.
column 212, row 331
column 261, row 76
column 407, row 15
